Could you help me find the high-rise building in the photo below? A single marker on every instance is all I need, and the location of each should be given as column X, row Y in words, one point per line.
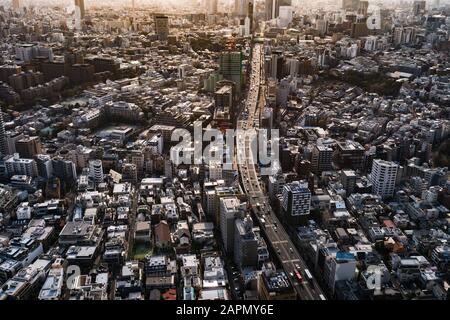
column 162, row 26
column 296, row 198
column 383, row 177
column 245, row 243
column 276, row 65
column 270, row 9
column 28, row 147
column 285, row 17
column 44, row 166
column 3, row 142
column 350, row 5
column 229, row 208
column 96, row 170
column 211, row 6
column 363, row 7
column 230, row 67
column 19, row 166
column 273, row 8
column 350, row 155
column 321, row 157
column 322, row 26
column 80, row 5
column 224, row 106
column 250, row 14
column 359, row 29
column 64, row 169
column 348, row 181
column 241, row 8
column 419, row 7
column 16, row 4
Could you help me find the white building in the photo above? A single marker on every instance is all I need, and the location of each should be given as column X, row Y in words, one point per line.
column 285, row 17
column 18, row 166
column 383, row 177
column 96, row 170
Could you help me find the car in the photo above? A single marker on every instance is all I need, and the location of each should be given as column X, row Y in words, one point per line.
column 291, row 250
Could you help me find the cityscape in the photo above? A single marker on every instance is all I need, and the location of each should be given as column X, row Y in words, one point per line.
column 225, row 150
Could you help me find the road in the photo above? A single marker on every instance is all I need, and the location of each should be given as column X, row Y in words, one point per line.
column 271, row 228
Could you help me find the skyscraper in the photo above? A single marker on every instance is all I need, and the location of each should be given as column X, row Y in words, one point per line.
column 229, row 208
column 245, row 243
column 296, row 198
column 383, row 177
column 270, row 9
column 16, row 4
column 321, row 158
column 80, row 5
column 230, row 67
column 250, row 14
column 96, row 170
column 362, row 7
column 162, row 26
column 241, row 8
column 211, row 6
column 419, row 7
column 3, row 144
column 273, row 8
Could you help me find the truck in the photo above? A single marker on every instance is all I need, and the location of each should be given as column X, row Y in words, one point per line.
column 309, row 275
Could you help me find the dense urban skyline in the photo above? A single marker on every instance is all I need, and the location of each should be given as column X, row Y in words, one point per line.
column 224, row 150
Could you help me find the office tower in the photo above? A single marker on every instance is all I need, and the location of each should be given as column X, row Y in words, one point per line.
column 250, row 14
column 16, row 4
column 285, row 17
column 3, row 141
column 273, row 8
column 211, row 6
column 276, row 65
column 11, row 138
column 28, row 147
column 350, row 155
column 64, row 169
column 230, row 67
column 363, row 7
column 224, row 107
column 80, row 5
column 296, row 198
column 229, row 208
column 383, row 177
column 419, row 7
column 270, row 9
column 96, row 170
column 162, row 26
column 359, row 29
column 350, row 5
column 44, row 166
column 322, row 26
column 245, row 243
column 241, row 8
column 321, row 158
